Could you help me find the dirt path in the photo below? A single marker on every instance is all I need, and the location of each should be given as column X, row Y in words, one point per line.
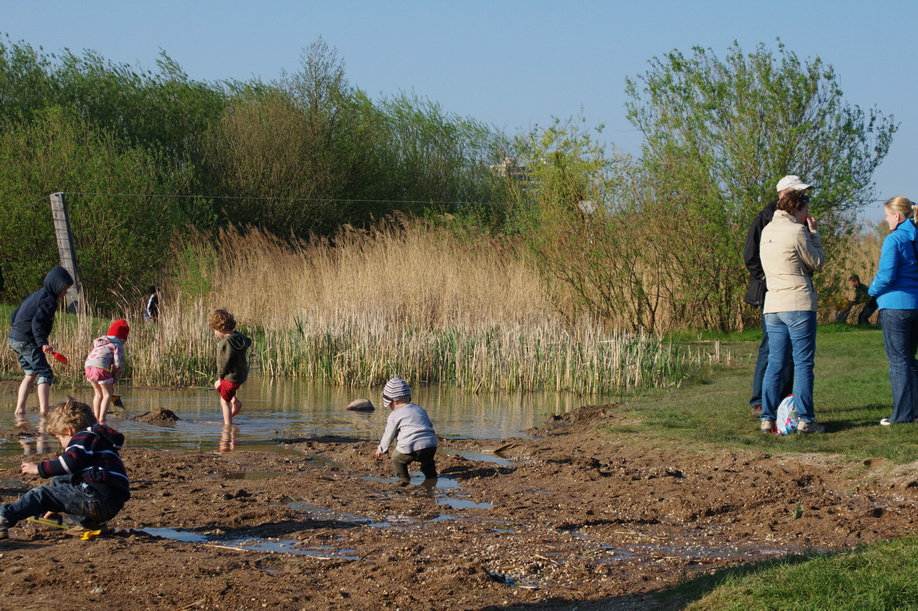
column 570, row 517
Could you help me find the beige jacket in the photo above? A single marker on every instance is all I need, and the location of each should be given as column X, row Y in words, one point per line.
column 790, row 254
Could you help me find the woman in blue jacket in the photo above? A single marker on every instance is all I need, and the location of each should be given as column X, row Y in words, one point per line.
column 896, row 288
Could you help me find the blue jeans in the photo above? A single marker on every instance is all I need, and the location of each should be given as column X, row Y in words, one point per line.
column 787, row 373
column 62, row 496
column 33, row 361
column 900, row 336
column 790, row 334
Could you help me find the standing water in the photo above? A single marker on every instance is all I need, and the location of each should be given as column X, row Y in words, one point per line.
column 279, row 409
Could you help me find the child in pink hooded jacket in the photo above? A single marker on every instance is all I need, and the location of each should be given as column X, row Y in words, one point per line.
column 104, row 367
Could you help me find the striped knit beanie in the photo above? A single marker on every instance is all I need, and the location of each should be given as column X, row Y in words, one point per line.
column 396, row 388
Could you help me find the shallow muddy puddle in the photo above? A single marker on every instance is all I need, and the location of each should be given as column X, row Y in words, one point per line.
column 441, row 490
column 702, row 554
column 250, row 475
column 417, row 483
column 280, row 546
column 472, row 455
column 279, row 410
column 325, row 463
column 323, row 514
column 13, row 484
column 185, row 536
column 457, row 503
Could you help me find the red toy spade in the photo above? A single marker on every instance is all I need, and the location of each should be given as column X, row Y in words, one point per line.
column 60, row 357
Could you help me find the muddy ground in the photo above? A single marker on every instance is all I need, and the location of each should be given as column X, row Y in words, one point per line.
column 570, row 518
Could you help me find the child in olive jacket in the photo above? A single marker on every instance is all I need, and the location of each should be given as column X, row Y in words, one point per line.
column 232, row 367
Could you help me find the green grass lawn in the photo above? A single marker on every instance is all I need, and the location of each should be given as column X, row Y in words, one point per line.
column 874, row 577
column 851, row 394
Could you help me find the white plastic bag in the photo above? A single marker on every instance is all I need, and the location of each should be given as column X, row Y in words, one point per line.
column 786, row 421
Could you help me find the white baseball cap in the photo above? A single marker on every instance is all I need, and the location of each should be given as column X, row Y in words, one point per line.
column 792, row 181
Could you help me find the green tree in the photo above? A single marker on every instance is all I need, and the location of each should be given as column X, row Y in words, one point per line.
column 718, row 136
column 25, row 84
column 577, row 223
column 162, row 110
column 121, row 201
column 437, row 156
column 311, row 152
column 294, row 154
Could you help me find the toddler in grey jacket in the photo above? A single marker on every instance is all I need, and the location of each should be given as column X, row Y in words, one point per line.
column 409, row 426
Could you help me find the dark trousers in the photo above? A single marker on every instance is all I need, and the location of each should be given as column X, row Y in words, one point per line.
column 62, row 496
column 425, row 457
column 869, row 308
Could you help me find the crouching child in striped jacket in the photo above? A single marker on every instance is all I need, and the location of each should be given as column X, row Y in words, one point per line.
column 88, row 481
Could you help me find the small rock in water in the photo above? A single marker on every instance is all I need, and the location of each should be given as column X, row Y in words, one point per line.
column 361, row 405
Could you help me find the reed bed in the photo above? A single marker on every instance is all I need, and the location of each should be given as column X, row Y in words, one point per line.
column 341, row 350
column 587, row 361
column 430, row 304
column 179, row 351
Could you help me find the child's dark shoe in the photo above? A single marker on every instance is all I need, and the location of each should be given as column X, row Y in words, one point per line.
column 4, row 529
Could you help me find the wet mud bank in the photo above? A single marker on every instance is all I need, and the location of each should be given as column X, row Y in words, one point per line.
column 565, row 517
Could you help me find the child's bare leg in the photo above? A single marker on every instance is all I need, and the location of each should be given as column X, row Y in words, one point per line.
column 96, row 398
column 227, row 412
column 44, row 399
column 25, row 387
column 105, row 403
column 237, row 406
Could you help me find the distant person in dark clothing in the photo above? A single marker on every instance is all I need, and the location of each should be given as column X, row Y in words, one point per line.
column 151, row 307
column 755, row 294
column 87, row 481
column 858, row 295
column 31, row 325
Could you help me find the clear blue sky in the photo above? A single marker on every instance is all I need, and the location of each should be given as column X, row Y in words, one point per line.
column 510, row 63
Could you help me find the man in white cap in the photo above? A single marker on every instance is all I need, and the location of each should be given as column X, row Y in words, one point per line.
column 755, row 294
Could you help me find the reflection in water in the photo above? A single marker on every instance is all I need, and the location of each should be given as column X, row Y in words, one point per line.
column 428, row 484
column 280, row 410
column 38, row 442
column 228, row 439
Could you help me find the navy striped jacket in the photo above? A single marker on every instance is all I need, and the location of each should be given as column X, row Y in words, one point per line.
column 92, row 457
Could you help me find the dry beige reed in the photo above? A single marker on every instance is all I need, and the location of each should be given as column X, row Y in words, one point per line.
column 408, row 298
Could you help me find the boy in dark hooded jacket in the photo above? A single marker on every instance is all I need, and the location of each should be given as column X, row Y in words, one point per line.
column 88, row 481
column 232, row 366
column 31, row 325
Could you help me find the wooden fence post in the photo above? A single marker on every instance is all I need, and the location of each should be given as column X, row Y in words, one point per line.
column 76, row 301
